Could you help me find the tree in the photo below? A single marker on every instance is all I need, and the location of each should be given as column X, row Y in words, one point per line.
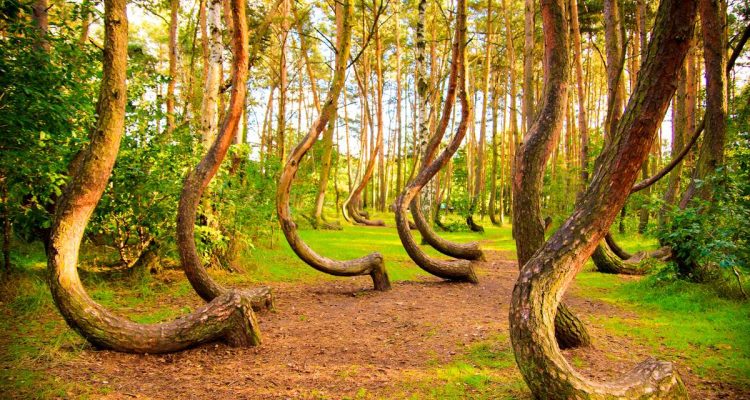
column 545, row 277
column 213, row 73
column 199, row 178
column 174, row 6
column 480, row 174
column 459, row 270
column 229, row 317
column 427, row 152
column 531, row 159
column 371, row 264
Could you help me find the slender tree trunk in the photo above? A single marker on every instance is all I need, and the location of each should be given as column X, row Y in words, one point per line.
column 85, row 25
column 379, row 94
column 212, row 77
column 615, row 51
column 580, row 90
column 399, row 161
column 283, row 83
column 513, row 110
column 545, row 277
column 640, row 21
column 479, row 177
column 711, row 157
column 351, row 204
column 678, row 134
column 174, row 6
column 528, row 64
column 493, row 174
column 41, row 24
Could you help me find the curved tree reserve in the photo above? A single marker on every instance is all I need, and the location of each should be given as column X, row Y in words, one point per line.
column 375, row 199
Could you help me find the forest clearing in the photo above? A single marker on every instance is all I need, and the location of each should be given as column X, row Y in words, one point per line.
column 439, row 199
column 329, row 338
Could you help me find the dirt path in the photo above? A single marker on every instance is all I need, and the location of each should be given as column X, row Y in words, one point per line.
column 330, row 339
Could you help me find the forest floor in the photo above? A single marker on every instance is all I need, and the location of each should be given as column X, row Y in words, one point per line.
column 336, row 338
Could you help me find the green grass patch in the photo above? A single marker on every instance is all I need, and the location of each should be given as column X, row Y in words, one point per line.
column 678, row 318
column 486, row 371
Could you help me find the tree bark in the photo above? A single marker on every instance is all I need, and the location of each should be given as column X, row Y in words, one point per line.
column 480, row 170
column 532, row 156
column 212, row 77
column 371, row 264
column 229, row 317
column 459, row 270
column 528, row 64
column 580, row 90
column 615, row 51
column 174, row 6
column 198, row 179
column 713, row 22
column 546, row 276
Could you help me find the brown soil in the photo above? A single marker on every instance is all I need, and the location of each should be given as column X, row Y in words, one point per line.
column 329, row 339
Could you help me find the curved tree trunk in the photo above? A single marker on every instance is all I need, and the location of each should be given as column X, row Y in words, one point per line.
column 532, row 156
column 616, row 249
column 229, row 317
column 371, row 264
column 465, row 251
column 197, row 180
column 608, row 261
column 546, row 276
column 351, row 205
column 459, row 270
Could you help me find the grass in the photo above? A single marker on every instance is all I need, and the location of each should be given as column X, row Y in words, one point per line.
column 671, row 317
column 678, row 318
column 487, row 370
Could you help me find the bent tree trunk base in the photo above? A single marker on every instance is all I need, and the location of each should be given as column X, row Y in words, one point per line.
column 361, row 217
column 473, row 225
column 619, row 251
column 606, row 261
column 464, row 251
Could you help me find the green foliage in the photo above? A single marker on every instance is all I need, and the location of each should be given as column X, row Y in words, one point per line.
column 713, row 233
column 46, row 110
column 140, row 203
column 243, row 204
